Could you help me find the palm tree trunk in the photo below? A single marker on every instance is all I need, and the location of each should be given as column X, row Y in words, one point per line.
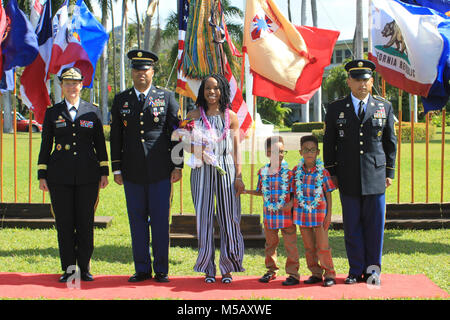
column 148, row 24
column 114, row 46
column 122, row 45
column 314, row 12
column 289, row 10
column 104, row 68
column 138, row 20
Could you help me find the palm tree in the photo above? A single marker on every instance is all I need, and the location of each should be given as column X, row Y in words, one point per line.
column 122, row 44
column 289, row 10
column 148, row 22
column 104, row 67
column 138, row 21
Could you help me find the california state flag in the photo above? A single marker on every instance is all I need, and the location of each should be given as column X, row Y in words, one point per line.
column 287, row 61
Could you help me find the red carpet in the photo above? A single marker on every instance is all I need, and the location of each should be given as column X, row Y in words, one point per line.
column 25, row 285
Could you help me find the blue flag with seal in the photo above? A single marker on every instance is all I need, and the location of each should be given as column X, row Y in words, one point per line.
column 20, row 46
column 89, row 32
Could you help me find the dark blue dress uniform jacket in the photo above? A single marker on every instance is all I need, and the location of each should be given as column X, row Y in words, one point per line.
column 140, row 146
column 361, row 155
column 79, row 155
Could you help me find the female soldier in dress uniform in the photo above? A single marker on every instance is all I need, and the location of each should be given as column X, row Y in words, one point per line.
column 73, row 172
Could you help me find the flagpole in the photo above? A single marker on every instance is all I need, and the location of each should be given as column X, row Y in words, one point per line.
column 30, row 148
column 1, row 152
column 181, row 179
column 427, row 142
column 442, row 154
column 399, row 142
column 412, row 148
column 15, row 136
column 252, row 164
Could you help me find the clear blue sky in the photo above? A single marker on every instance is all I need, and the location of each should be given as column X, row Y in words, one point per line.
column 332, row 14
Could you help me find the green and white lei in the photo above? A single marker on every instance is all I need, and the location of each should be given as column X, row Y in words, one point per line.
column 299, row 174
column 265, row 188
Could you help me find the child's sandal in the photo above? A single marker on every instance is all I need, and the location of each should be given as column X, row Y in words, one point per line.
column 210, row 279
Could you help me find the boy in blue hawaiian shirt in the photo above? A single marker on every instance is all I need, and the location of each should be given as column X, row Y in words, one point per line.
column 274, row 184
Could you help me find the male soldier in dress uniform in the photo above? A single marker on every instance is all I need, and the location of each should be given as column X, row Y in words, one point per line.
column 359, row 152
column 143, row 118
column 73, row 171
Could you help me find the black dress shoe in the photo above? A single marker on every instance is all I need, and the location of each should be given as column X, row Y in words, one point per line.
column 161, row 277
column 312, row 280
column 65, row 277
column 86, row 276
column 290, row 281
column 267, row 277
column 328, row 282
column 139, row 276
column 352, row 279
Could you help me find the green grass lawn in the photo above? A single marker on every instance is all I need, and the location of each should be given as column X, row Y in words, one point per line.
column 405, row 251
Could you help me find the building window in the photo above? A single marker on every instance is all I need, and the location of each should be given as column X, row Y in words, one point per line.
column 348, row 53
column 338, row 56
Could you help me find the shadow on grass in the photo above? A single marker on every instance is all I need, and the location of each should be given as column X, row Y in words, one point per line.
column 123, row 253
column 391, row 244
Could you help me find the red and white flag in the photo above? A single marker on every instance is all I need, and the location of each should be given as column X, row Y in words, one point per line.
column 67, row 49
column 33, row 87
column 287, row 61
column 36, row 12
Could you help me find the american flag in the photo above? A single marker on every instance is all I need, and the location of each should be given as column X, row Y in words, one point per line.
column 189, row 87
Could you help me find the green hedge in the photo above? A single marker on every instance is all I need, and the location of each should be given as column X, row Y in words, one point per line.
column 419, row 131
column 318, row 133
column 307, row 126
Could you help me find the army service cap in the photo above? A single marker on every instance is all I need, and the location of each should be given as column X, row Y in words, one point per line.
column 142, row 59
column 71, row 73
column 360, row 69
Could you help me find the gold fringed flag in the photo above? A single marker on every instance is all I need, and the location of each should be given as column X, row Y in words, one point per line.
column 202, row 60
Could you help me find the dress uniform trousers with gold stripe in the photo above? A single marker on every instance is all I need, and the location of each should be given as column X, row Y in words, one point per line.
column 141, row 148
column 361, row 153
column 72, row 159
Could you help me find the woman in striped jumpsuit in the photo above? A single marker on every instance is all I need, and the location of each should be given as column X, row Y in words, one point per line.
column 214, row 116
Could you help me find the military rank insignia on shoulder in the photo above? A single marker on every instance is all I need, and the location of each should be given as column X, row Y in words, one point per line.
column 380, row 98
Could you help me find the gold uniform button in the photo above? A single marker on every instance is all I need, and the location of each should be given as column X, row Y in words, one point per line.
column 74, row 153
column 74, row 143
column 142, row 131
column 143, row 140
column 141, row 114
column 142, row 123
column 361, row 134
column 362, row 152
column 74, row 134
column 361, row 143
column 73, row 125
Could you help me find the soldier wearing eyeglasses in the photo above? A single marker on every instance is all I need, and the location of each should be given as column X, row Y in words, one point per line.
column 359, row 152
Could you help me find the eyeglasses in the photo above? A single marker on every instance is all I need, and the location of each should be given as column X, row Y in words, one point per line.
column 312, row 150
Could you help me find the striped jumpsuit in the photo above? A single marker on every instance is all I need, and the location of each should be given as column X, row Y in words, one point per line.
column 205, row 183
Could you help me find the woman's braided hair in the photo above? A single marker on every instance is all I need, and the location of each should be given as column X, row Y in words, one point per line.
column 225, row 93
